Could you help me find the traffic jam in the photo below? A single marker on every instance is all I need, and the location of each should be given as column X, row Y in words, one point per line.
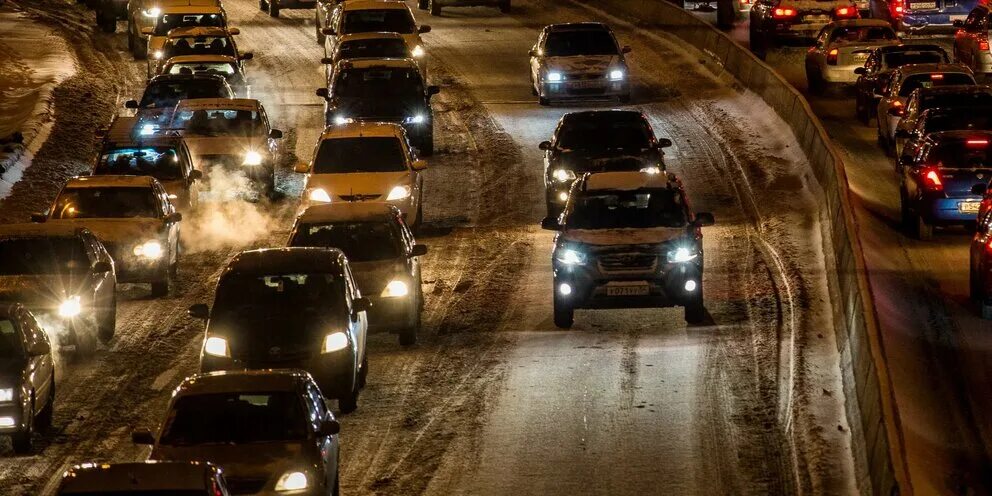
column 285, row 328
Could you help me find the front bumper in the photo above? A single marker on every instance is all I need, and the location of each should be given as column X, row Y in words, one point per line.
column 334, row 372
column 591, row 288
column 393, row 314
column 984, row 65
column 576, row 90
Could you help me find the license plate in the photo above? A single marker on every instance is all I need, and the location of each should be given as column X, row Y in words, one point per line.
column 639, row 289
column 969, row 207
column 923, row 6
column 958, row 17
column 860, row 57
column 817, row 19
column 586, row 84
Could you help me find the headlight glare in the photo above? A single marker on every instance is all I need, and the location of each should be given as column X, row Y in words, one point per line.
column 616, row 75
column 334, row 342
column 152, row 12
column 319, row 195
column 216, row 346
column 157, row 55
column 571, row 257
column 70, row 307
column 554, row 77
column 6, row 394
column 681, row 254
column 417, row 52
column 398, row 193
column 149, row 249
column 564, row 175
column 340, row 120
column 252, row 158
column 416, row 119
column 395, row 289
column 651, row 170
column 292, row 481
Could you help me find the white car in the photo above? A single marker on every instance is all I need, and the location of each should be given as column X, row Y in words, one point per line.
column 365, row 161
column 843, row 46
column 579, row 60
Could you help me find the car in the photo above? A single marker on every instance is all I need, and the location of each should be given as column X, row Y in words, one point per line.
column 980, row 256
column 382, row 90
column 165, row 158
column 362, row 162
column 922, row 99
column 335, row 20
column 223, row 65
column 773, row 22
column 971, row 42
column 151, row 20
column 597, row 141
column 880, row 64
column 901, row 84
column 108, row 12
column 273, row 7
column 27, row 395
column 383, row 256
column 65, row 276
column 163, row 93
column 234, row 134
column 842, row 47
column 579, row 60
column 434, row 6
column 269, row 430
column 941, row 119
column 627, row 240
column 197, row 41
column 372, row 46
column 929, row 18
column 938, row 187
column 149, row 478
column 133, row 217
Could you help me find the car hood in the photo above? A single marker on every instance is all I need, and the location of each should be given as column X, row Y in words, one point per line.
column 359, row 183
column 373, row 277
column 34, row 290
column 259, row 460
column 581, row 63
column 223, row 145
column 609, row 237
column 115, row 231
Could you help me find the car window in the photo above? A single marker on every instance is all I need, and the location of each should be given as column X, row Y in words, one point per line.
column 962, row 120
column 235, row 418
column 11, row 345
column 360, row 241
column 627, row 209
column 374, row 48
column 167, row 22
column 855, row 34
column 604, row 133
column 915, row 81
column 164, row 163
column 106, row 203
column 351, row 155
column 585, row 42
column 898, row 59
column 219, row 122
column 166, row 94
column 318, row 402
column 378, row 20
column 378, row 83
column 974, row 153
column 43, row 255
column 199, row 45
column 221, row 68
column 963, row 99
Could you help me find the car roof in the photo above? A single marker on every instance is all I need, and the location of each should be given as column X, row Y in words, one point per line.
column 39, row 230
column 370, row 36
column 911, row 69
column 219, row 103
column 628, row 181
column 111, row 181
column 197, row 31
column 374, row 5
column 200, row 58
column 373, row 63
column 363, row 129
column 271, row 261
column 577, row 26
column 242, row 381
column 91, row 478
column 348, row 212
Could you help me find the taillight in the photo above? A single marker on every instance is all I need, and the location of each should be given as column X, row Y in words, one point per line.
column 784, row 13
column 931, row 179
column 898, row 8
column 977, row 143
column 983, row 42
column 847, row 12
column 832, row 56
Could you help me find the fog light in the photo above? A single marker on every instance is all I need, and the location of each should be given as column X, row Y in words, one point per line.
column 564, row 289
column 690, row 286
column 7, row 422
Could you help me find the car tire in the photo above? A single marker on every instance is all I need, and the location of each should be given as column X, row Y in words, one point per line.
column 427, row 144
column 564, row 314
column 363, row 375
column 419, row 219
column 274, row 8
column 140, row 50
column 161, row 288
column 108, row 324
column 45, row 416
column 422, row 4
column 349, row 403
column 974, row 288
column 861, row 112
column 906, row 215
column 504, row 6
column 695, row 310
column 85, row 344
column 434, row 8
column 107, row 24
column 21, row 440
column 924, row 230
column 815, row 81
column 408, row 336
column 264, row 6
column 543, row 101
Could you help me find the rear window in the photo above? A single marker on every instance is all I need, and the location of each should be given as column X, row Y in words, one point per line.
column 972, row 153
column 627, row 209
column 172, row 21
column 166, row 94
column 162, row 163
column 106, row 203
column 898, row 59
column 42, row 256
column 378, row 20
column 962, row 120
column 604, row 133
column 235, row 418
column 375, row 48
column 198, row 45
column 860, row 34
column 360, row 241
column 933, row 80
column 219, row 122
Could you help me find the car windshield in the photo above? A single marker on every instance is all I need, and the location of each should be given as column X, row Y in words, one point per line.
column 350, row 155
column 571, row 43
column 972, row 153
column 380, row 48
column 235, row 418
column 627, row 209
column 899, row 59
column 166, row 94
column 10, row 341
column 222, row 68
column 277, row 308
column 219, row 122
column 42, row 256
column 105, row 203
column 168, row 22
column 378, row 20
column 360, row 241
column 604, row 133
column 198, row 45
column 961, row 120
column 378, row 83
column 161, row 162
column 931, row 80
column 859, row 34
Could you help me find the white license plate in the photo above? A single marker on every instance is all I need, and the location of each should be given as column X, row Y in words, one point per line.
column 969, row 207
column 585, row 84
column 628, row 290
column 817, row 19
column 958, row 17
column 922, row 5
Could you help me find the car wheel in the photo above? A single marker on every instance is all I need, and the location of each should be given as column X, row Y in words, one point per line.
column 45, row 416
column 408, row 336
column 108, row 324
column 434, row 7
column 861, row 112
column 427, row 144
column 543, row 101
column 106, row 23
column 22, row 439
column 336, row 489
column 419, row 219
column 263, row 6
column 924, row 230
column 504, row 6
column 349, row 403
column 140, row 50
column 695, row 310
column 85, row 343
column 363, row 375
column 974, row 288
column 130, row 41
column 906, row 215
column 564, row 313
column 273, row 8
column 161, row 288
column 422, row 4
column 814, row 81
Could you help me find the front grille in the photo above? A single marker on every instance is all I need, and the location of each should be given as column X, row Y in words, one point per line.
column 245, row 485
column 628, row 262
column 359, row 198
column 583, row 76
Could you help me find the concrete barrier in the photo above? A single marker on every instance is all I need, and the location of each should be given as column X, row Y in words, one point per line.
column 871, row 409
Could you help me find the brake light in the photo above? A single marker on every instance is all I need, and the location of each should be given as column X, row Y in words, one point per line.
column 784, row 13
column 936, row 77
column 931, row 179
column 897, row 103
column 983, row 43
column 977, row 143
column 898, row 8
column 847, row 12
column 832, row 56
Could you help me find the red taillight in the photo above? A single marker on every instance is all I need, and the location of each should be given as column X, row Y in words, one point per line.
column 832, row 56
column 931, row 179
column 847, row 12
column 898, row 8
column 784, row 13
column 977, row 143
column 936, row 77
column 983, row 44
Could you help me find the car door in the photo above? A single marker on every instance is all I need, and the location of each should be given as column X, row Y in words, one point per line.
column 104, row 284
column 327, row 445
column 359, row 320
column 167, row 209
column 40, row 367
column 186, row 162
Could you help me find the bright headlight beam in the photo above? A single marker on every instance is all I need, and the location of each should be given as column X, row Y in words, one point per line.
column 417, row 119
column 149, row 249
column 147, row 129
column 335, row 341
column 681, row 255
column 563, row 175
column 554, row 77
column 71, row 307
column 152, row 12
column 395, row 289
column 292, row 481
column 417, row 52
column 216, row 346
column 6, row 394
column 398, row 193
column 319, row 195
column 252, row 158
column 341, row 120
column 571, row 257
column 616, row 75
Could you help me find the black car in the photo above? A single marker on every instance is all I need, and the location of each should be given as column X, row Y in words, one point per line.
column 880, row 64
column 149, row 478
column 382, row 90
column 163, row 92
column 290, row 308
column 944, row 119
column 64, row 275
column 27, row 376
column 597, row 141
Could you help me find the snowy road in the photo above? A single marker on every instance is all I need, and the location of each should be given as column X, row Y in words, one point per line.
column 495, row 400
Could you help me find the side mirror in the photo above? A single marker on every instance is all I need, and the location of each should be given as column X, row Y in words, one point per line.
column 433, row 90
column 40, row 348
column 418, row 251
column 424, row 29
column 625, row 49
column 102, row 267
column 979, row 189
column 275, row 134
column 142, row 436
column 897, row 111
column 173, row 217
column 233, row 31
column 663, row 143
column 327, row 31
column 327, row 60
column 328, row 428
column 861, row 71
column 550, row 224
column 362, row 304
column 199, row 311
column 545, row 145
column 196, row 174
column 131, row 104
column 419, row 165
column 704, row 219
column 322, row 92
column 148, row 30
column 958, row 24
column 301, row 168
column 246, row 56
column 39, row 217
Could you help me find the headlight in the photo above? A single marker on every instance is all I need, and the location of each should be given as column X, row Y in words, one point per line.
column 319, row 195
column 571, row 257
column 554, row 77
column 395, row 289
column 651, row 170
column 252, row 158
column 71, row 307
column 334, row 342
column 680, row 255
column 398, row 193
column 416, row 119
column 149, row 249
column 417, row 52
column 157, row 55
column 216, row 346
column 340, row 120
column 616, row 75
column 148, row 129
column 292, row 481
column 152, row 12
column 563, row 175
column 6, row 394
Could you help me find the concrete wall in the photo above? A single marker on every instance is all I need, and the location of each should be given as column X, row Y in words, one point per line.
column 870, row 402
